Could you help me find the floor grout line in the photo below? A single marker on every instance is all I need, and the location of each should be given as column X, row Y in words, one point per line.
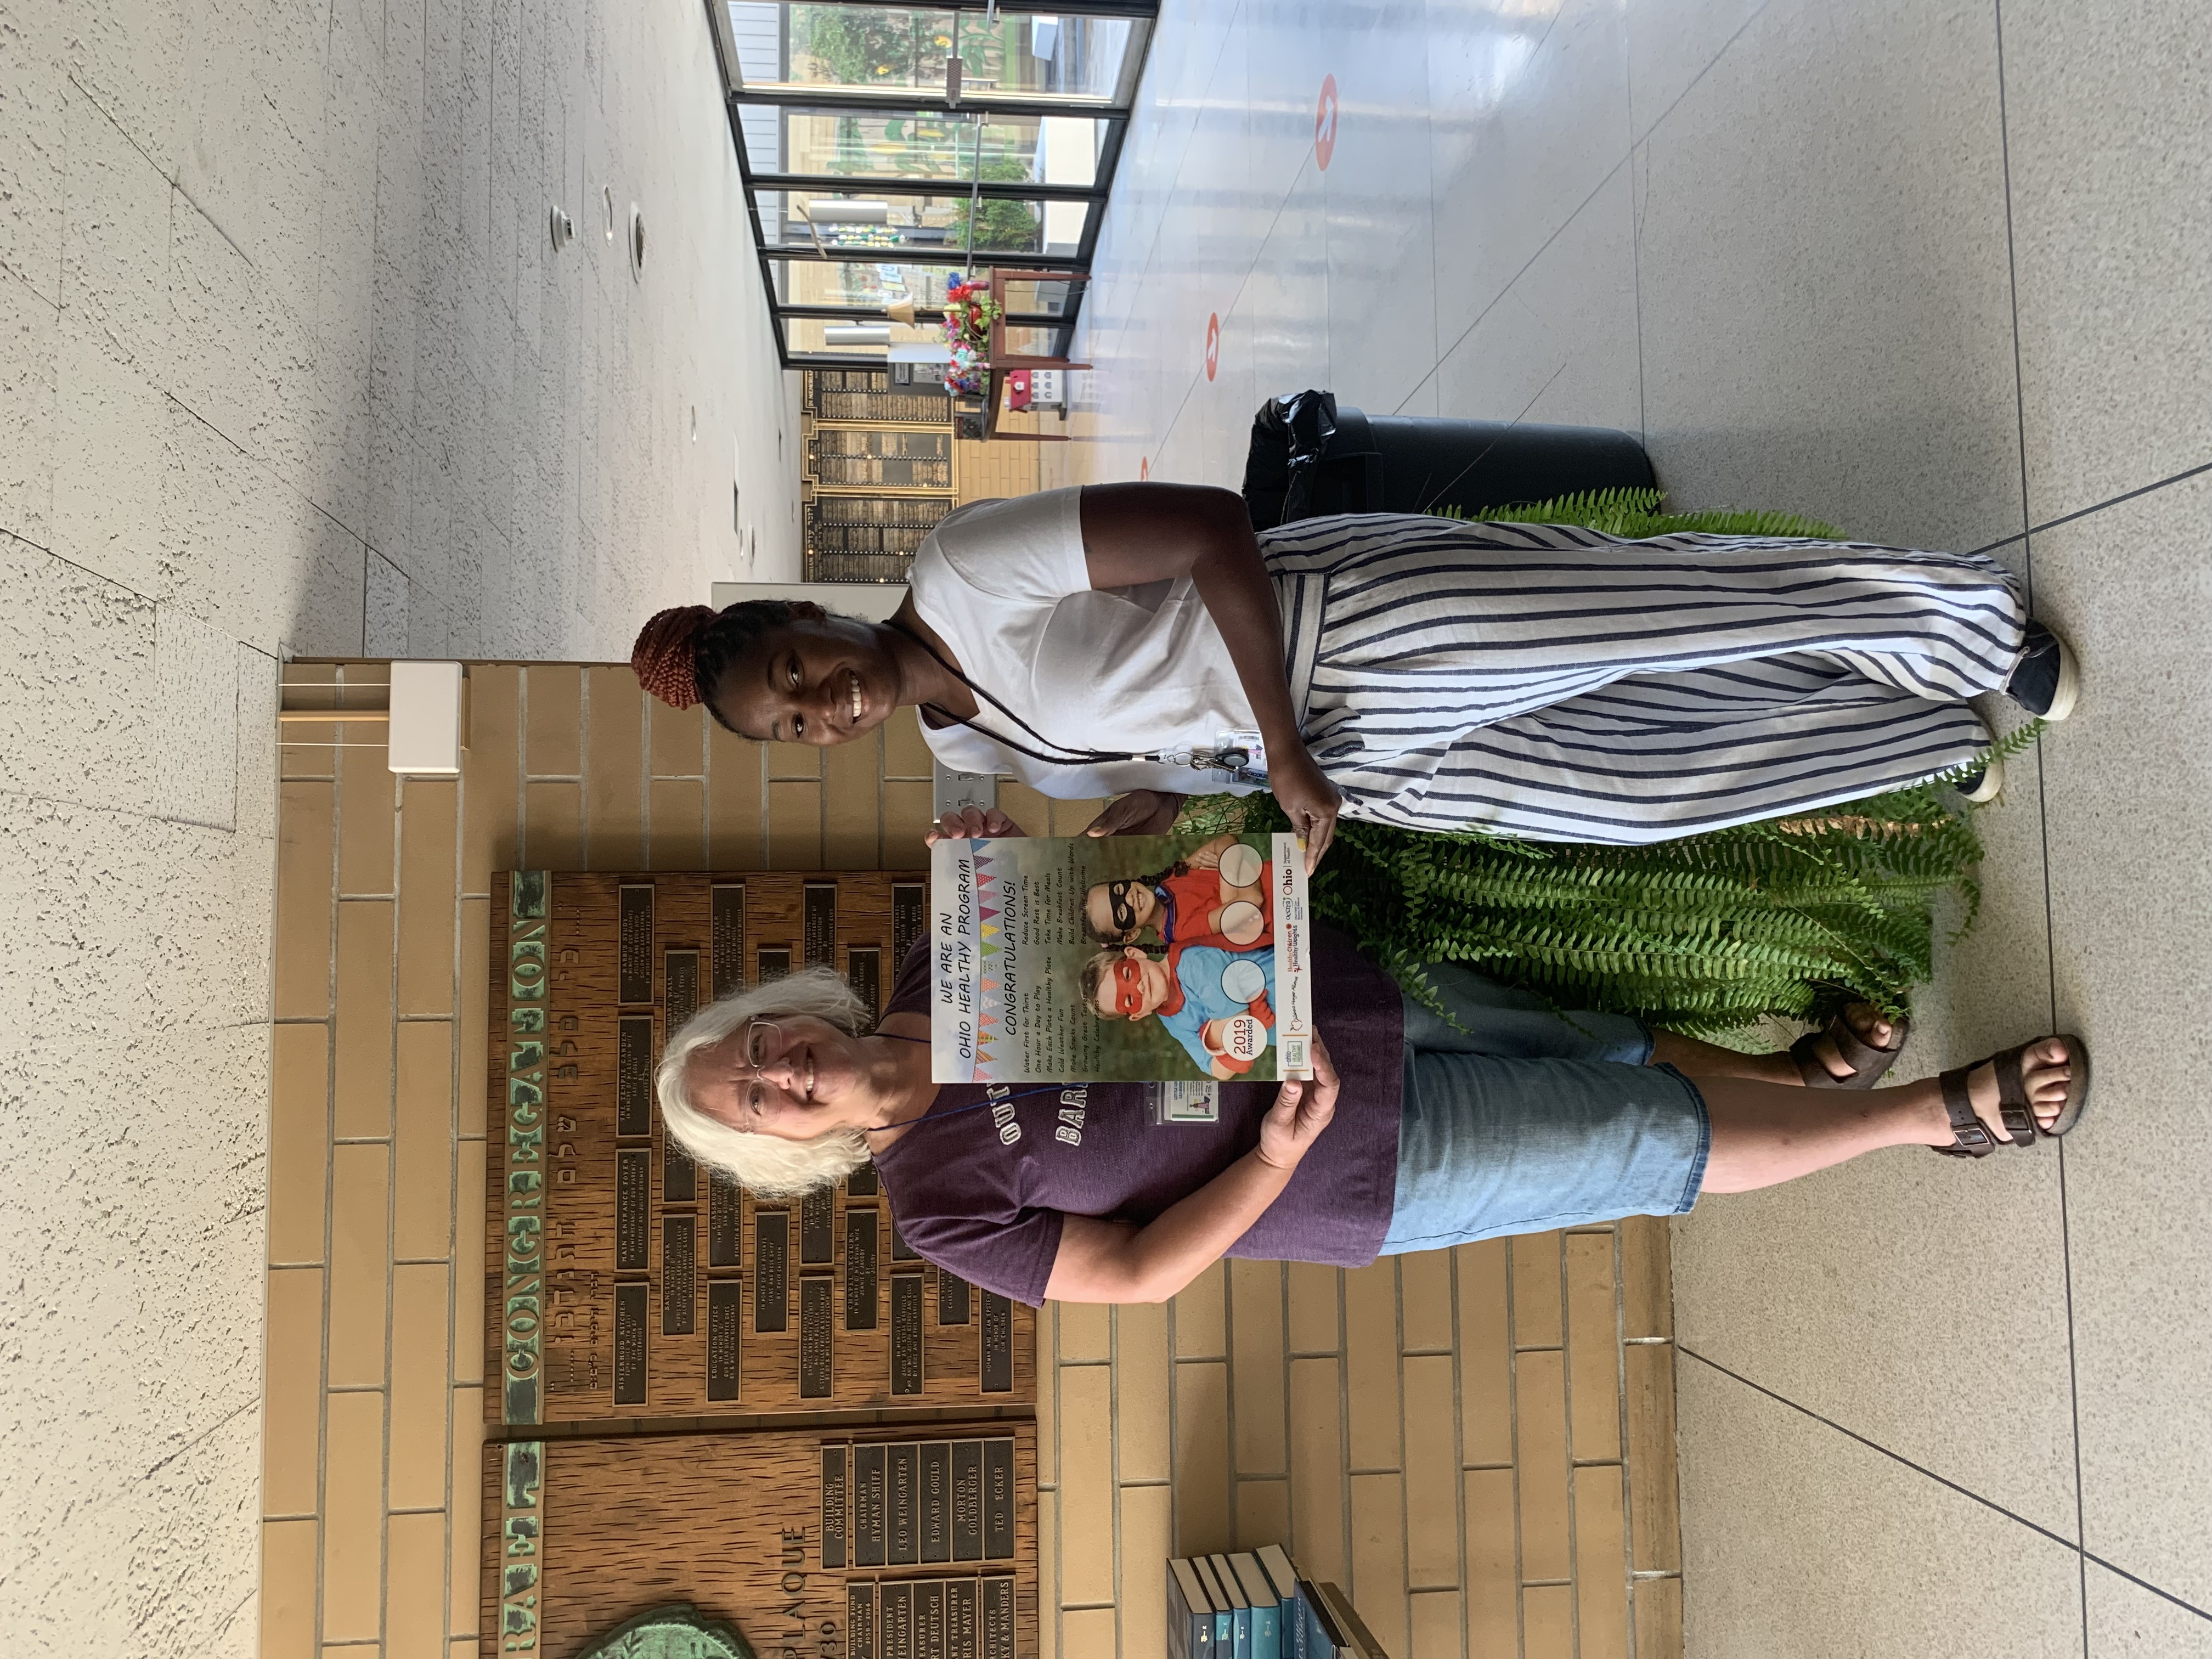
column 1963, row 1492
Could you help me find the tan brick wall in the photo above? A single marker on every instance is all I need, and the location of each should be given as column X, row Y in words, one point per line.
column 985, row 471
column 1478, row 1445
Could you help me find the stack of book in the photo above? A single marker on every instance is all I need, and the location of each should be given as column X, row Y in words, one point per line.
column 1257, row 1605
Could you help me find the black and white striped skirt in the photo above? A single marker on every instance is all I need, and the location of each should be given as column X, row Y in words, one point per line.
column 1557, row 682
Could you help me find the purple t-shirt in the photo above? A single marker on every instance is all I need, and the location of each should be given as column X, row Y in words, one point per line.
column 986, row 1203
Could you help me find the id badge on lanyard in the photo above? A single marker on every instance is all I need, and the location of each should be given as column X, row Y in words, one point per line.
column 1243, row 755
column 1183, row 1103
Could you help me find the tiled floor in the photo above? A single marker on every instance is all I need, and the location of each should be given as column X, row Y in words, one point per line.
column 1940, row 272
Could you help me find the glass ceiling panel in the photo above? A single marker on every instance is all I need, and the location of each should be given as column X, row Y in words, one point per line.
column 906, row 109
column 859, row 48
column 873, row 287
column 809, row 219
column 925, row 147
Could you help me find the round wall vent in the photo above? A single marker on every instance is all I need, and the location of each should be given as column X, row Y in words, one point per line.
column 636, row 243
column 607, row 196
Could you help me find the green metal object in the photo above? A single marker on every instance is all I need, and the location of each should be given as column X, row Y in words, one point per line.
column 676, row 1631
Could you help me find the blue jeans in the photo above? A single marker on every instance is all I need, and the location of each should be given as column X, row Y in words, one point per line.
column 1532, row 1119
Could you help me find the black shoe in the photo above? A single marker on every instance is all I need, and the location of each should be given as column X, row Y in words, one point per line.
column 2044, row 682
column 1983, row 784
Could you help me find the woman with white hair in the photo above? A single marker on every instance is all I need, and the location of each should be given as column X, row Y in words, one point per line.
column 1523, row 1121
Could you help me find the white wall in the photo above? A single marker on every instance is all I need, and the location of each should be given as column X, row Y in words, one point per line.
column 287, row 362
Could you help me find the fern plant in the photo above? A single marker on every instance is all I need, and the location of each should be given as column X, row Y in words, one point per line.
column 1635, row 514
column 1792, row 918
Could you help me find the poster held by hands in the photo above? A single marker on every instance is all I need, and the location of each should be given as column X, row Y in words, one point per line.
column 1137, row 959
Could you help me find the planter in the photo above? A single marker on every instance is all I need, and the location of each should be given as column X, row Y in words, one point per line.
column 1311, row 456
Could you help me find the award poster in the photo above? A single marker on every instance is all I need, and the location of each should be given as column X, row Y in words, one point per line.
column 1125, row 958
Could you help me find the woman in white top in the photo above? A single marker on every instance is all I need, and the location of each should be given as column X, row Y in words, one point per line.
column 1138, row 640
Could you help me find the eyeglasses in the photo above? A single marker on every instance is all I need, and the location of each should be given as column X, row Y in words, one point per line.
column 763, row 1038
column 1130, row 988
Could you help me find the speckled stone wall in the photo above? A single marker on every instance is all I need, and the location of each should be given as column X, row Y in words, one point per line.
column 289, row 363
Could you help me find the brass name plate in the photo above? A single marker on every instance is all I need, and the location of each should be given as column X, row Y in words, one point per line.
column 633, row 1075
column 816, row 1241
column 963, row 1617
column 998, row 1343
column 936, row 1501
column 771, row 1270
column 952, row 1299
column 679, row 1288
column 967, row 1500
column 722, row 1210
column 725, row 1318
column 998, row 1619
column 904, row 1509
column 929, row 1618
column 635, row 937
column 728, row 936
column 633, row 1210
column 817, row 1368
column 895, row 1620
column 860, row 1622
column 860, row 1292
column 906, row 1333
column 870, row 1505
column 864, row 976
column 629, row 1343
column 820, row 924
column 909, row 915
column 835, row 1507
column 999, row 1500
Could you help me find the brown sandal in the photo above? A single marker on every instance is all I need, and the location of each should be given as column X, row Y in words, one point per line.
column 1868, row 1064
column 1970, row 1136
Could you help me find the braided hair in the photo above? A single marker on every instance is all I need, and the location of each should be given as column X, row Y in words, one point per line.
column 1178, row 868
column 682, row 653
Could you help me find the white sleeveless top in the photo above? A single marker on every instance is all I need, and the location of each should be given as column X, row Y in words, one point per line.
column 1006, row 586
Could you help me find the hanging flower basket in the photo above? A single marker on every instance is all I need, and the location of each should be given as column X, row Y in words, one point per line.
column 970, row 311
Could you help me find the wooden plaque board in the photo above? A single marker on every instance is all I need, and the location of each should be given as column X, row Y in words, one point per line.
column 904, row 1544
column 623, row 1281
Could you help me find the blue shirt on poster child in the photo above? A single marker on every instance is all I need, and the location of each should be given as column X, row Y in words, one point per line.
column 1199, row 970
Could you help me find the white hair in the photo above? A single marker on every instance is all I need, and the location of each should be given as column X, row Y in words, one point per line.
column 764, row 1166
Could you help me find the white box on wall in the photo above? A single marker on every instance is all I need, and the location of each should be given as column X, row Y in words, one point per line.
column 427, row 713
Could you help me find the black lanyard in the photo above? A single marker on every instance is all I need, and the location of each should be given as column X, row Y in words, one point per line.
column 1197, row 760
